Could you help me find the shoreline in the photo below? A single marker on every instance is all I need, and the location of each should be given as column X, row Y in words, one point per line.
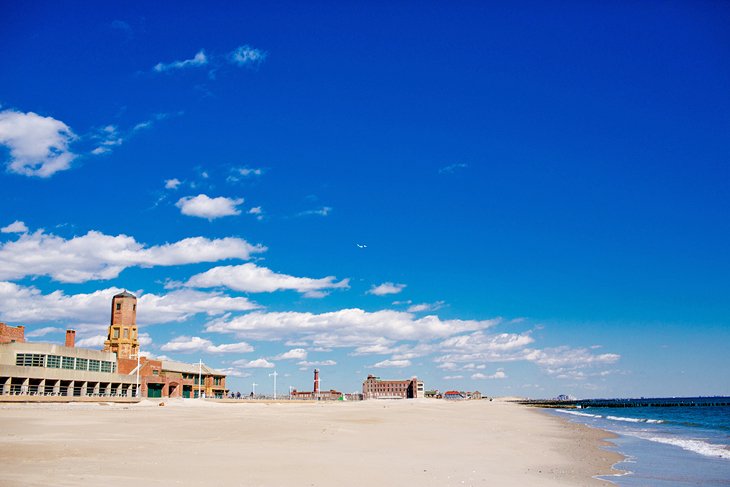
column 601, row 440
column 321, row 444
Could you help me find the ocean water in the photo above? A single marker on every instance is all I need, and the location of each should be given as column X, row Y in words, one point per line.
column 665, row 446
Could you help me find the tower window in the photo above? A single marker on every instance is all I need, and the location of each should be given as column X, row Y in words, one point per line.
column 126, row 333
column 115, row 333
column 134, row 307
column 119, row 306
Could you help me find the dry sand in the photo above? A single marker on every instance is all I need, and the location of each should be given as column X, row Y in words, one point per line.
column 386, row 443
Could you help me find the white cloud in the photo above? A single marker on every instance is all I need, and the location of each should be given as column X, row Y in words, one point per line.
column 317, row 363
column 21, row 304
column 452, row 168
column 107, row 137
column 480, row 342
column 252, row 278
column 567, row 356
column 200, row 59
column 418, row 308
column 562, row 362
column 96, row 341
column 392, row 363
column 182, row 304
column 16, row 227
column 248, row 171
column 453, row 377
column 343, row 328
column 99, row 256
column 172, row 183
column 324, row 211
column 145, row 339
column 259, row 363
column 499, row 374
column 386, row 288
column 293, row 354
column 39, row 146
column 204, row 206
column 247, row 56
column 258, row 212
column 186, row 344
column 43, row 331
column 234, row 372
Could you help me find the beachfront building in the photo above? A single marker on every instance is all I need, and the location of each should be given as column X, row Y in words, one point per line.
column 166, row 378
column 48, row 369
column 376, row 388
column 158, row 378
column 315, row 394
column 454, row 396
column 51, row 369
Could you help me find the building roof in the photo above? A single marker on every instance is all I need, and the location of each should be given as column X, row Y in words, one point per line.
column 125, row 294
column 189, row 368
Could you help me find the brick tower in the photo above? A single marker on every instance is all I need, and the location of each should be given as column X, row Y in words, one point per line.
column 122, row 338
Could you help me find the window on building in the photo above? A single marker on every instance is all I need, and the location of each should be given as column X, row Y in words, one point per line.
column 30, row 360
column 67, row 363
column 82, row 364
column 119, row 306
column 155, row 372
column 134, row 307
column 217, row 381
column 126, row 333
column 115, row 333
column 94, row 365
column 53, row 361
column 106, row 366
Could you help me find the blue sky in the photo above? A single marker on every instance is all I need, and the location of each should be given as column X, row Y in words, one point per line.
column 523, row 200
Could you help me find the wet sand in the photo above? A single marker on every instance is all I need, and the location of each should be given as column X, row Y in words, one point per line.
column 387, row 443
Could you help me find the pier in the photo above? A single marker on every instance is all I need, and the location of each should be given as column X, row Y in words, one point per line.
column 629, row 403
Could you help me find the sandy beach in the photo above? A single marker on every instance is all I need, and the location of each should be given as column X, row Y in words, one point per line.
column 425, row 442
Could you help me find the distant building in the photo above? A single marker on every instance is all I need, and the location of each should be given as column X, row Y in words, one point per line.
column 50, row 369
column 432, row 394
column 375, row 388
column 315, row 394
column 475, row 395
column 454, row 396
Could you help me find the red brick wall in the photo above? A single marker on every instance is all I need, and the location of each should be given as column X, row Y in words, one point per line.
column 10, row 334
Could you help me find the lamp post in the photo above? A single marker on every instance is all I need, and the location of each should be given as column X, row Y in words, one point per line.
column 136, row 390
column 200, row 379
column 274, row 374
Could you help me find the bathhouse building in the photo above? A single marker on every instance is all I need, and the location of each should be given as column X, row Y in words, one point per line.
column 54, row 370
column 376, row 388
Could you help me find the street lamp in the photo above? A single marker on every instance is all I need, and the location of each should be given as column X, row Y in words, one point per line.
column 274, row 374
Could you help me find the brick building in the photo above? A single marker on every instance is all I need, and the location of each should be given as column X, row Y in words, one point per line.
column 376, row 388
column 12, row 334
column 316, row 394
column 50, row 369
